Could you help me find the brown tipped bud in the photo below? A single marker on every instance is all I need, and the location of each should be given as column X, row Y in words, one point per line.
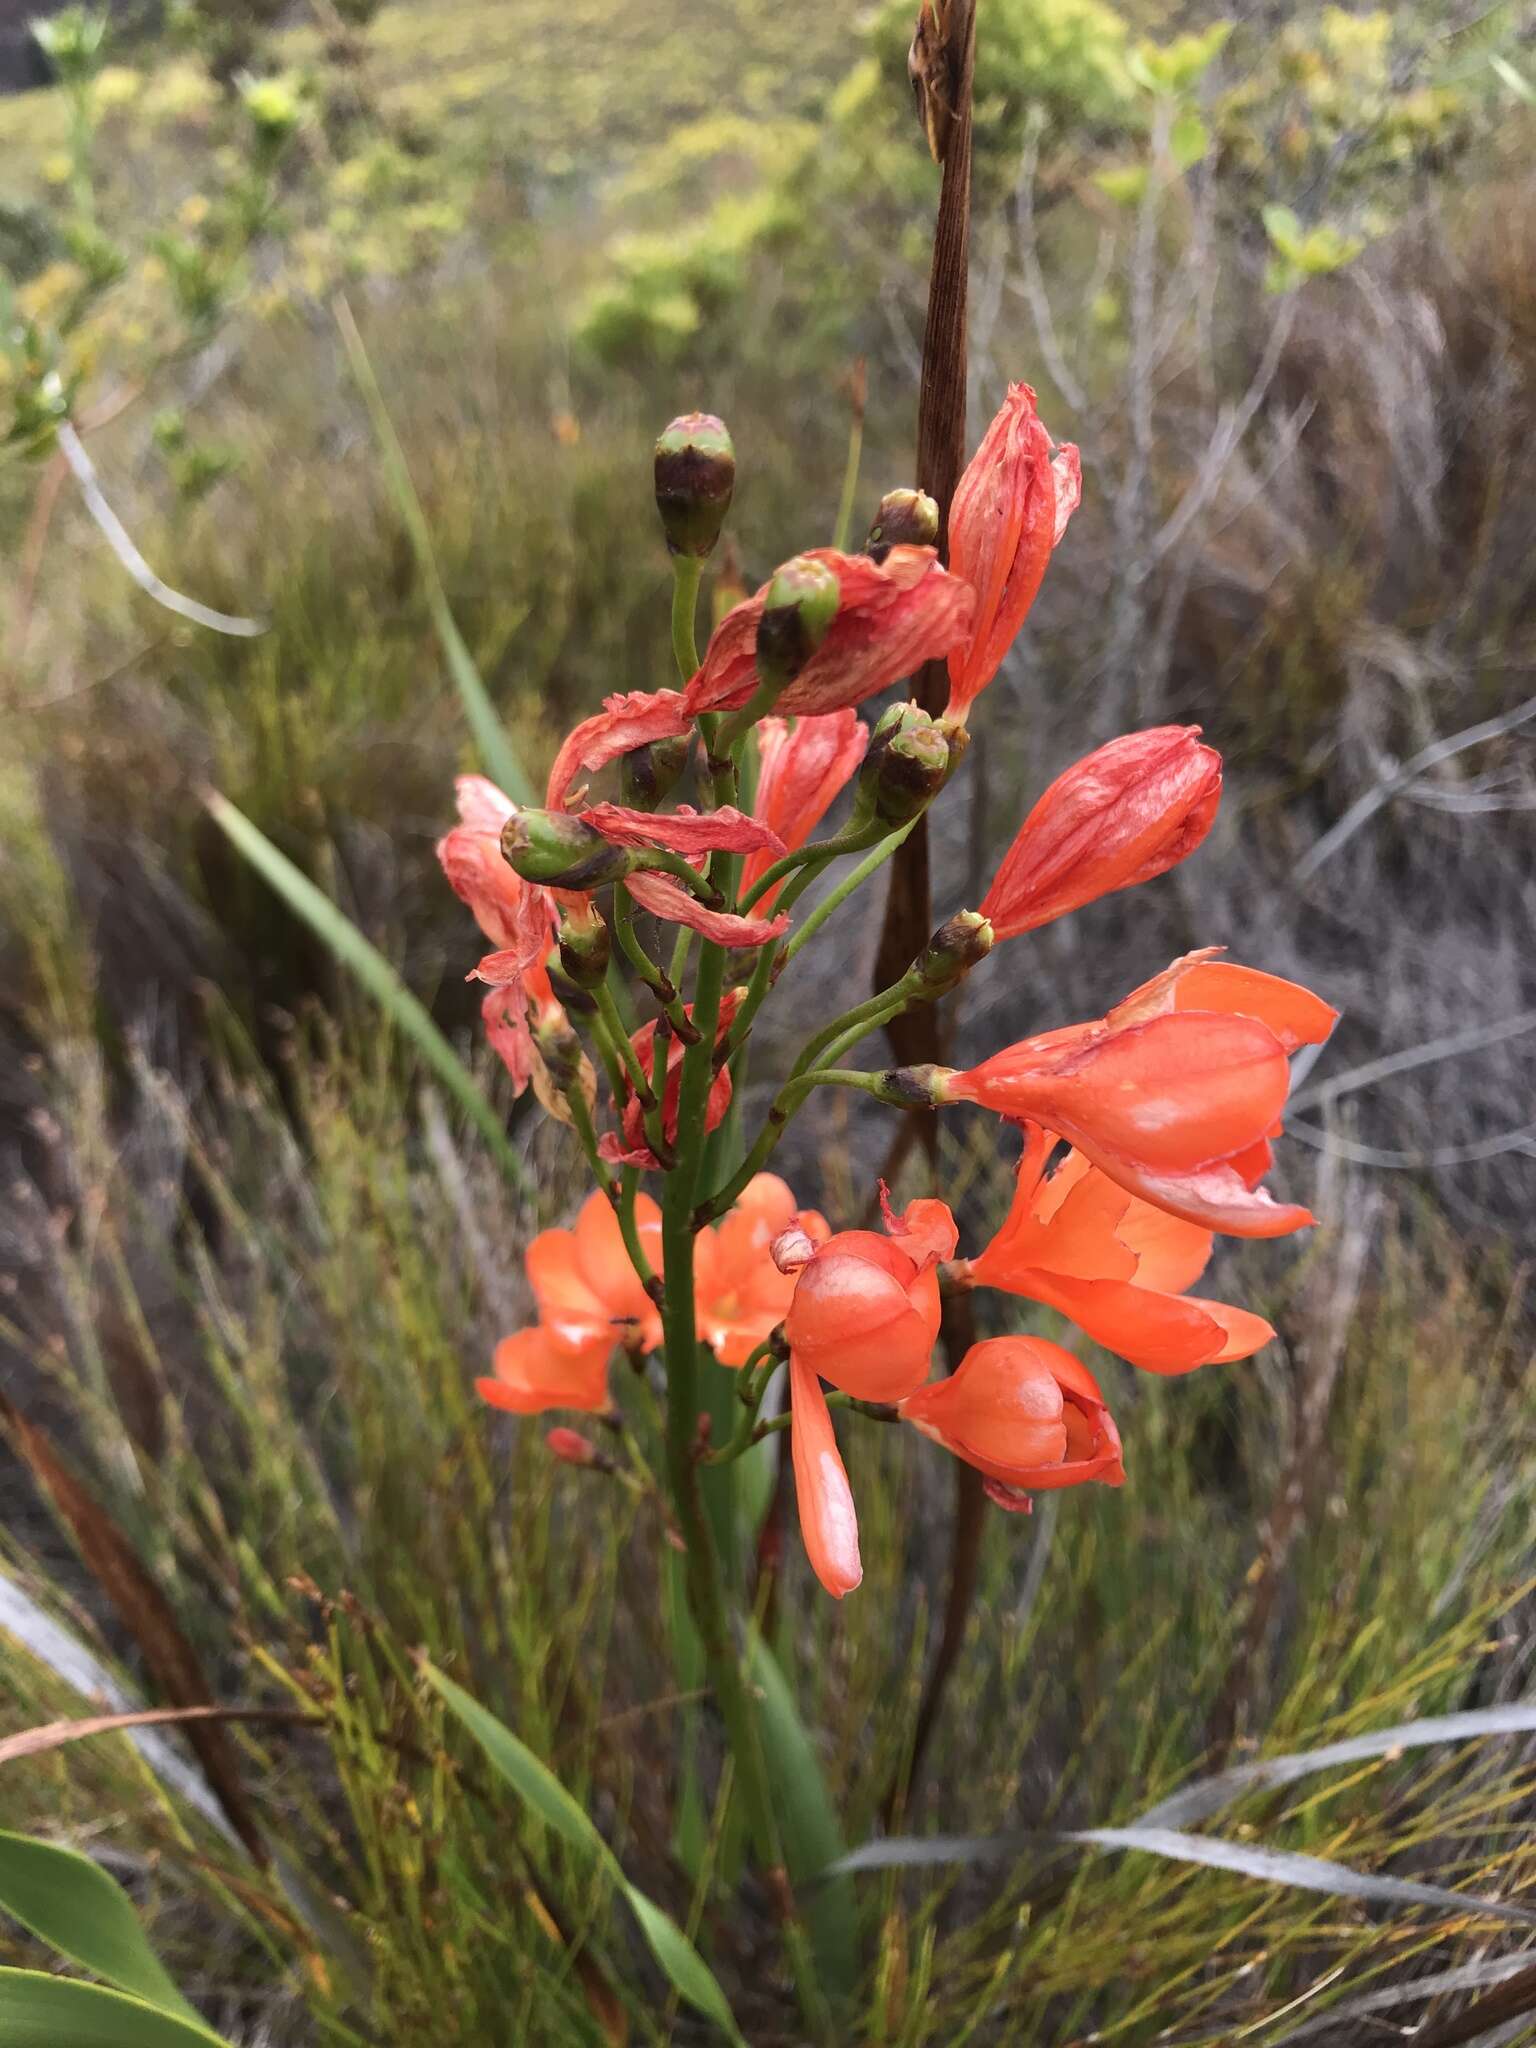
column 572, row 1448
column 907, row 764
column 953, row 951
column 560, row 851
column 648, row 775
column 695, row 476
column 559, row 1049
column 917, row 1087
column 584, row 946
column 797, row 615
column 903, row 519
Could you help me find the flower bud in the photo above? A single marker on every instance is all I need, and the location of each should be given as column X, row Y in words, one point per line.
column 907, row 764
column 572, row 1448
column 798, row 611
column 584, row 946
column 902, row 519
column 560, row 851
column 953, row 951
column 695, row 476
column 649, row 774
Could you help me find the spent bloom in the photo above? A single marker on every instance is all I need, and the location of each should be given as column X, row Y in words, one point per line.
column 803, row 765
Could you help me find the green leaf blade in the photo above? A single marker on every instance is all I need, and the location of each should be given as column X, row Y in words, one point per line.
column 72, row 1904
column 39, row 2011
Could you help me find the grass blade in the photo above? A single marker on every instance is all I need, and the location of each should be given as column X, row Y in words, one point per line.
column 1265, row 1866
column 1208, row 1795
column 39, row 2011
column 367, row 964
column 535, row 1783
column 497, row 754
column 808, row 1825
column 70, row 1902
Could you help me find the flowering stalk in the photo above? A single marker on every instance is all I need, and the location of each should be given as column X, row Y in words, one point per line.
column 1168, row 1105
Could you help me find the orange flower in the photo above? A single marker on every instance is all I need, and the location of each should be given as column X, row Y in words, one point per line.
column 1010, row 509
column 1128, row 812
column 1115, row 1265
column 866, row 1308
column 1173, row 1103
column 801, row 768
column 1024, row 1413
column 741, row 1294
column 636, row 718
column 631, row 1148
column 589, row 1299
column 891, row 618
column 865, row 1315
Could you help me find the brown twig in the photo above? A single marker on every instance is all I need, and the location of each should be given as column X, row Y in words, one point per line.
column 942, row 65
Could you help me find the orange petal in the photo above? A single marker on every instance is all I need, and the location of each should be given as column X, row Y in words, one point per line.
column 670, row 901
column 828, row 1522
column 684, row 830
column 1170, row 1253
column 532, row 1374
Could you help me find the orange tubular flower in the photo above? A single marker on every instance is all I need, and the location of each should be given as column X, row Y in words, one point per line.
column 1128, row 812
column 1115, row 1265
column 801, row 768
column 631, row 1149
column 891, row 618
column 865, row 1315
column 589, row 1299
column 1010, row 509
column 1024, row 1413
column 1174, row 1095
column 741, row 1294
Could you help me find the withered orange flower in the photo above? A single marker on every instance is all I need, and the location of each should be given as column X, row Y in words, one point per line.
column 589, row 1300
column 741, row 1295
column 635, row 718
column 1124, row 814
column 684, row 830
column 1026, row 1414
column 631, row 1148
column 802, row 766
column 673, row 902
column 519, row 918
column 1117, row 1266
column 1175, row 1104
column 892, row 616
column 1010, row 509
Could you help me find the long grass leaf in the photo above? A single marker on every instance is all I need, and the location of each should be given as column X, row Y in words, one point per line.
column 39, row 2011
column 70, row 1902
column 534, row 1782
column 1208, row 1795
column 497, row 753
column 1266, row 1866
column 808, row 1825
column 367, row 964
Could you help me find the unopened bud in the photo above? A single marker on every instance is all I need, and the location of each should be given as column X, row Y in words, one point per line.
column 902, row 519
column 559, row 1049
column 695, row 476
column 584, row 946
column 572, row 1448
column 907, row 764
column 953, row 951
column 648, row 775
column 560, row 851
column 797, row 615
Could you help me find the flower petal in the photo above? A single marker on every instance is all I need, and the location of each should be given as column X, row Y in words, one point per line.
column 684, row 830
column 667, row 899
column 828, row 1522
column 632, row 719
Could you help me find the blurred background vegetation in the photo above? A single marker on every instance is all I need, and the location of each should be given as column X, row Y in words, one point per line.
column 1276, row 272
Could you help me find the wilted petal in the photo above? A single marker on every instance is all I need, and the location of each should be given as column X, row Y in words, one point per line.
column 667, row 899
column 684, row 830
column 802, row 767
column 626, row 721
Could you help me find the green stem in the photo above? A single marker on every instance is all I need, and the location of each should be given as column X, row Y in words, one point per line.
column 667, row 998
column 686, row 572
column 743, row 1441
column 629, row 1230
column 850, row 477
column 618, row 1037
column 854, row 879
column 706, row 1595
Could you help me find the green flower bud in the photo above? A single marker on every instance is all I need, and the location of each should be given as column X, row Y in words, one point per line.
column 648, row 775
column 695, row 476
column 560, row 851
column 908, row 763
column 584, row 946
column 902, row 519
column 798, row 612
column 952, row 952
